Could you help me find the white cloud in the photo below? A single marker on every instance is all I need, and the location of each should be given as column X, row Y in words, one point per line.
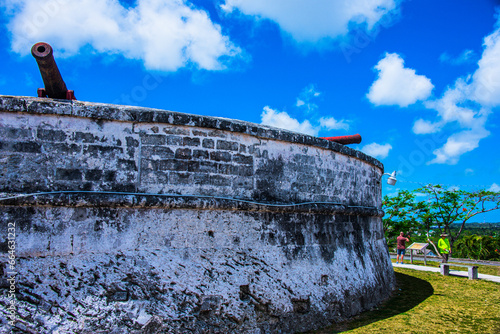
column 486, row 79
column 377, row 150
column 311, row 21
column 451, row 106
column 458, row 144
column 467, row 56
column 456, row 106
column 468, row 103
column 282, row 120
column 165, row 35
column 469, row 171
column 422, row 126
column 306, row 97
column 494, row 187
column 397, row 85
column 330, row 123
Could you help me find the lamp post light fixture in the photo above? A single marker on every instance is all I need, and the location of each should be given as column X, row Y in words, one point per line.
column 392, row 178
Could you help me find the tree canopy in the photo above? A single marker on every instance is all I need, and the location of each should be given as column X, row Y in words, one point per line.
column 433, row 209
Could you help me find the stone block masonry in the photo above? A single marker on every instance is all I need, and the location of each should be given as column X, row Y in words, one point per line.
column 136, row 220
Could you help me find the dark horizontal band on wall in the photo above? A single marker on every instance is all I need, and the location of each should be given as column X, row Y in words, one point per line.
column 174, row 201
column 111, row 112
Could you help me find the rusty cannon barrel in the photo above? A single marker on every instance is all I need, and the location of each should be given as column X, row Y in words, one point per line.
column 54, row 84
column 344, row 140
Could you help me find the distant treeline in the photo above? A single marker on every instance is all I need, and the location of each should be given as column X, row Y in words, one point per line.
column 491, row 229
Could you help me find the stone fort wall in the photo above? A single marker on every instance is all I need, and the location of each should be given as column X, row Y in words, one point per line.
column 140, row 220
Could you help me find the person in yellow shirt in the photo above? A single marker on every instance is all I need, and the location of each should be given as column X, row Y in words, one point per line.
column 444, row 247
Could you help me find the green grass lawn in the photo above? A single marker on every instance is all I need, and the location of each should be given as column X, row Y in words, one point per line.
column 427, row 302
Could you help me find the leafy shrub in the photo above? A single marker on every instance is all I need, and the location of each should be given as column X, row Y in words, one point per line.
column 477, row 247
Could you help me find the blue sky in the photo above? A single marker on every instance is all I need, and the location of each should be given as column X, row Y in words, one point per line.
column 419, row 80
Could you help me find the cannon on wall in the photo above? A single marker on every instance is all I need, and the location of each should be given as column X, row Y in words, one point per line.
column 344, row 140
column 54, row 84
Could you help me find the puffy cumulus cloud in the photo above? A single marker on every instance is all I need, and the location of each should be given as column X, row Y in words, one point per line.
column 458, row 144
column 305, row 104
column 486, row 79
column 397, row 85
column 451, row 107
column 421, row 126
column 456, row 106
column 467, row 103
column 494, row 187
column 165, row 35
column 282, row 120
column 377, row 150
column 330, row 123
column 311, row 21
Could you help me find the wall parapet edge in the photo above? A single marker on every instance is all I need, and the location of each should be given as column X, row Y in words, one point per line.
column 111, row 112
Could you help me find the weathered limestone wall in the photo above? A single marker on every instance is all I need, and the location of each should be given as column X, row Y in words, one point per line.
column 139, row 220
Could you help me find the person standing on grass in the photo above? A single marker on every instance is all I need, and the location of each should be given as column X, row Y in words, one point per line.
column 444, row 247
column 401, row 249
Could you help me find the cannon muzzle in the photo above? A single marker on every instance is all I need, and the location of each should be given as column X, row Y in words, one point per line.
column 344, row 140
column 54, row 84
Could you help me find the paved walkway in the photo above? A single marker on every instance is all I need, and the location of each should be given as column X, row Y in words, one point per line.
column 452, row 272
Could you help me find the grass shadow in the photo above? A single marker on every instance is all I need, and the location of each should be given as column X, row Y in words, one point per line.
column 410, row 291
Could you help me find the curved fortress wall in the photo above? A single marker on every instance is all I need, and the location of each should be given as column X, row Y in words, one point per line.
column 138, row 219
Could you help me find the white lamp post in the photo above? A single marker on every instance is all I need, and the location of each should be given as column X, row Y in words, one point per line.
column 392, row 178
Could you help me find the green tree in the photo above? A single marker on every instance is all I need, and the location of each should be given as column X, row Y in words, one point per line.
column 447, row 206
column 438, row 209
column 401, row 215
